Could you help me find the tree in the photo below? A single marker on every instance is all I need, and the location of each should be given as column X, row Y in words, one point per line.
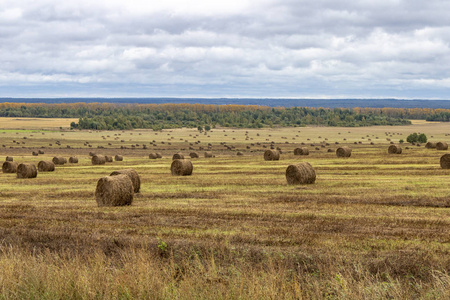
column 412, row 138
column 207, row 127
column 200, row 128
column 422, row 138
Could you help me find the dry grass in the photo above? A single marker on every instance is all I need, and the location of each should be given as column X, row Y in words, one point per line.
column 373, row 226
column 31, row 123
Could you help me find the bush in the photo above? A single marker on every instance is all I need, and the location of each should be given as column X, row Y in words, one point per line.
column 422, row 138
column 416, row 138
column 412, row 138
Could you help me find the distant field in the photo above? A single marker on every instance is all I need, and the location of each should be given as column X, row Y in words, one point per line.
column 35, row 123
column 373, row 226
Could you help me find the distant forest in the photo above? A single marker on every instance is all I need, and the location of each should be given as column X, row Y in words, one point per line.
column 109, row 116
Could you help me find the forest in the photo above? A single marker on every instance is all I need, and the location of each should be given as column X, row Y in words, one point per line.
column 109, row 116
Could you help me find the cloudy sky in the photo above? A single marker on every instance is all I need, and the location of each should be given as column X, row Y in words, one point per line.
column 225, row 48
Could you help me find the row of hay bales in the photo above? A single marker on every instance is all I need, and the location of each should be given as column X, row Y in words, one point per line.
column 437, row 146
column 155, row 155
column 207, row 154
column 98, row 159
column 23, row 170
column 275, row 155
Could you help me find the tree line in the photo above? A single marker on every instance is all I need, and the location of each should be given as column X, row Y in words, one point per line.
column 107, row 116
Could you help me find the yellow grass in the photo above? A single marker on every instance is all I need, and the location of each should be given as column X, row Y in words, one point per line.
column 35, row 123
column 373, row 226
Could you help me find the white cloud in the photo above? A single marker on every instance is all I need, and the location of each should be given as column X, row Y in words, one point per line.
column 238, row 48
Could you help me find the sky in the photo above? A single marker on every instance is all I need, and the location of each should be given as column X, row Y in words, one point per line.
column 233, row 48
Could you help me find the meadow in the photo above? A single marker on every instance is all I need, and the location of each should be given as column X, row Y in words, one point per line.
column 373, row 226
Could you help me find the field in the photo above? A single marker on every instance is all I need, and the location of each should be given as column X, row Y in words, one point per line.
column 373, row 226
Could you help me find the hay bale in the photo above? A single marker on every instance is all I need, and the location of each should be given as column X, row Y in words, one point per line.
column 26, row 171
column 9, row 167
column 208, row 154
column 41, row 151
column 193, row 155
column 301, row 173
column 73, row 160
column 239, row 153
column 330, row 150
column 153, row 156
column 46, row 166
column 91, row 153
column 343, row 151
column 301, row 151
column 445, row 161
column 98, row 160
column 59, row 160
column 114, row 191
column 9, row 158
column 181, row 167
column 430, row 145
column 158, row 155
column 134, row 176
column 108, row 158
column 395, row 149
column 178, row 156
column 271, row 155
column 118, row 158
column 441, row 146
column 34, row 153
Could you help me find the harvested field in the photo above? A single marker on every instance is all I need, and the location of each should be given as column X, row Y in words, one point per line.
column 372, row 225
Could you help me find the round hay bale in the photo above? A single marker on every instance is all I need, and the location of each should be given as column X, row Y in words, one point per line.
column 395, row 149
column 9, row 158
column 441, row 146
column 9, row 167
column 178, row 156
column 301, row 173
column 193, row 155
column 301, row 151
column 73, row 160
column 114, row 191
column 343, row 151
column 239, row 153
column 445, row 161
column 108, row 158
column 91, row 153
column 34, row 153
column 271, row 155
column 46, row 166
column 430, row 145
column 208, row 154
column 134, row 176
column 118, row 158
column 153, row 156
column 98, row 160
column 59, row 160
column 181, row 167
column 41, row 151
column 158, row 155
column 330, row 150
column 26, row 171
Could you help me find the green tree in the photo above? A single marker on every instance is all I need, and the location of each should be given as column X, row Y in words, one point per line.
column 412, row 138
column 200, row 128
column 207, row 127
column 422, row 138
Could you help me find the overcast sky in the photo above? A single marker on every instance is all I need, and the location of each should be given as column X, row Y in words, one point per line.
column 230, row 48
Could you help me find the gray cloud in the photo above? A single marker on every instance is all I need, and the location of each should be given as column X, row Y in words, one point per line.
column 266, row 48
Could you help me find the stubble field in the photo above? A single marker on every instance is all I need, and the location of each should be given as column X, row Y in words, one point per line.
column 373, row 226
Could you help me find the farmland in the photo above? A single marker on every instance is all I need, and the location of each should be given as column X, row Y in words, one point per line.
column 373, row 225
